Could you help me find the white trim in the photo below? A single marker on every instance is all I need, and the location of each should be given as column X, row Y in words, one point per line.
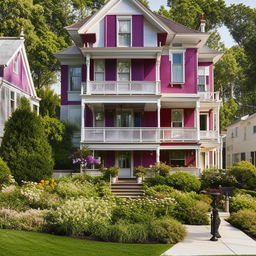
column 181, row 147
column 207, row 121
column 122, row 147
column 117, row 29
column 182, row 113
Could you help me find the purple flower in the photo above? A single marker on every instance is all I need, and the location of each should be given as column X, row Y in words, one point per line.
column 90, row 159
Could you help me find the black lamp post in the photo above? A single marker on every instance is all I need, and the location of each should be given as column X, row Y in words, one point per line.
column 215, row 218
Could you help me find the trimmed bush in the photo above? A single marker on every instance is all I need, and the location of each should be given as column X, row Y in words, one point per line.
column 153, row 181
column 25, row 148
column 213, row 178
column 159, row 191
column 167, row 230
column 161, row 169
column 242, row 201
column 245, row 174
column 184, row 181
column 244, row 220
column 5, row 173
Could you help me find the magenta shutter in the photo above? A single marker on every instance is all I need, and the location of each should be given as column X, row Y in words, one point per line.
column 64, row 85
column 150, row 70
column 137, row 70
column 110, row 69
column 92, row 70
column 88, row 117
column 110, row 31
column 137, row 30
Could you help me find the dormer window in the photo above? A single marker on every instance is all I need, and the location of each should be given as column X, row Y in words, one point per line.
column 178, row 67
column 16, row 66
column 124, row 31
column 203, row 72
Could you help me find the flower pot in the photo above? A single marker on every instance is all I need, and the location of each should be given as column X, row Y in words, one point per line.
column 113, row 179
column 139, row 180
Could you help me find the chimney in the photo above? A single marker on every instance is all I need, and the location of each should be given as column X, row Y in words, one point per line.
column 202, row 22
column 22, row 33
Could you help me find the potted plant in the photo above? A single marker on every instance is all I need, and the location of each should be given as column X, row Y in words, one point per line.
column 161, row 169
column 140, row 172
column 111, row 173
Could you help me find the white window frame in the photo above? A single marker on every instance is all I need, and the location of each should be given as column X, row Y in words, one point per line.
column 69, row 83
column 184, row 66
column 117, row 29
column 95, row 72
column 117, row 71
column 203, row 71
column 16, row 66
column 12, row 100
column 207, row 120
column 182, row 112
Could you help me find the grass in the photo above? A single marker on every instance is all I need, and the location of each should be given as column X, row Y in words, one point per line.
column 22, row 243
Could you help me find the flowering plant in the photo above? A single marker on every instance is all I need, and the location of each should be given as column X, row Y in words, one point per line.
column 84, row 157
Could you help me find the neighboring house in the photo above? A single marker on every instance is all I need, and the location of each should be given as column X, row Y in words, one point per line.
column 141, row 88
column 241, row 140
column 15, row 78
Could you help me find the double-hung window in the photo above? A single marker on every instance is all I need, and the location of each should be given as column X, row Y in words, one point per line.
column 124, row 70
column 203, row 72
column 124, row 31
column 178, row 67
column 177, row 118
column 75, row 78
column 99, row 70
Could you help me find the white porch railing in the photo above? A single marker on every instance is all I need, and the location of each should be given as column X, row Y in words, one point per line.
column 138, row 135
column 209, row 135
column 209, row 96
column 121, row 88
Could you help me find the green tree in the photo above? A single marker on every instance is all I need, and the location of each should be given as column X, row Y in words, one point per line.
column 145, row 2
column 49, row 103
column 25, row 148
column 228, row 113
column 187, row 12
column 214, row 41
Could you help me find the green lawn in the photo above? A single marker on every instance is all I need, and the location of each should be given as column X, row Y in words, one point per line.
column 21, row 243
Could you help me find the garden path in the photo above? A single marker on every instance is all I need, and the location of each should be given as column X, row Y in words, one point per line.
column 232, row 242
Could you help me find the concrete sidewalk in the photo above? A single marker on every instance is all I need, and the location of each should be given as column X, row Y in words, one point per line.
column 232, row 242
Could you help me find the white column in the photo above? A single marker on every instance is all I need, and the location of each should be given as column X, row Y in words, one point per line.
column 158, row 113
column 88, row 64
column 198, row 165
column 158, row 63
column 158, row 155
column 82, row 120
column 198, row 119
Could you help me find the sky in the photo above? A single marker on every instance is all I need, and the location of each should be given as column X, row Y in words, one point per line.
column 225, row 35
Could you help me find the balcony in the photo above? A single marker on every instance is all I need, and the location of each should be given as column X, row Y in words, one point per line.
column 209, row 135
column 139, row 135
column 209, row 96
column 121, row 88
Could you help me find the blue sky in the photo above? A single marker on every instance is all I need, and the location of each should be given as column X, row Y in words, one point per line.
column 226, row 37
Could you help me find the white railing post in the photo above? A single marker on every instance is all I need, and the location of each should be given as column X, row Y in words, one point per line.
column 82, row 121
column 104, row 134
column 198, row 119
column 140, row 135
column 88, row 63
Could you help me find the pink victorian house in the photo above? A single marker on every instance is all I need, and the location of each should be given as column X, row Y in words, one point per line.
column 15, row 78
column 141, row 88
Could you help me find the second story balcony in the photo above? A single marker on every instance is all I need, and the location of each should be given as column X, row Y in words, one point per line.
column 209, row 96
column 209, row 135
column 121, row 88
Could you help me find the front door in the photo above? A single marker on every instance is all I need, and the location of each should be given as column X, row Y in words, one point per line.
column 124, row 163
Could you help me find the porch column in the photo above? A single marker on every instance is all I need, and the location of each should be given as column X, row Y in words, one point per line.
column 198, row 164
column 158, row 62
column 88, row 64
column 82, row 121
column 158, row 113
column 158, row 155
column 198, row 119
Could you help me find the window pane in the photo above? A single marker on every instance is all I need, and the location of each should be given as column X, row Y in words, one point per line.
column 99, row 66
column 124, row 77
column 99, row 77
column 123, row 66
column 178, row 73
column 177, row 116
column 124, row 26
column 201, row 80
column 125, row 40
column 201, row 88
column 75, row 78
column 177, row 58
column 177, row 124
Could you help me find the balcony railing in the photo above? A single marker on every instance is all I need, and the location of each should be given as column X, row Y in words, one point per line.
column 121, row 88
column 209, row 135
column 139, row 135
column 209, row 96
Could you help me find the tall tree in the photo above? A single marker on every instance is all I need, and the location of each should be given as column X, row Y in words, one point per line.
column 228, row 113
column 187, row 12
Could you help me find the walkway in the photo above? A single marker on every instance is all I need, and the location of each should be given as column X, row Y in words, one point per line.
column 233, row 242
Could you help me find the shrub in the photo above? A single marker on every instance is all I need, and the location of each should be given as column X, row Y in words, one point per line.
column 75, row 216
column 245, row 173
column 213, row 178
column 30, row 220
column 153, row 181
column 159, row 191
column 5, row 173
column 140, row 171
column 246, row 191
column 25, row 148
column 242, row 201
column 110, row 172
column 161, row 169
column 184, row 181
column 244, row 220
column 167, row 230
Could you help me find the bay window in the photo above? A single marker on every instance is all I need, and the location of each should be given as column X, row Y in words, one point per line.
column 75, row 78
column 177, row 118
column 178, row 68
column 123, row 70
column 124, row 31
column 99, row 70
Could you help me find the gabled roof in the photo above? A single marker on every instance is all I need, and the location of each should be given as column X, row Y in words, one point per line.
column 8, row 48
column 72, row 50
column 78, row 24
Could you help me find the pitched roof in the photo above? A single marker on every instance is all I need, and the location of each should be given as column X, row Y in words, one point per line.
column 176, row 27
column 78, row 24
column 72, row 50
column 8, row 48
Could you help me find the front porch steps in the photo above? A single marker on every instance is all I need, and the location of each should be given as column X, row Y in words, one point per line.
column 127, row 188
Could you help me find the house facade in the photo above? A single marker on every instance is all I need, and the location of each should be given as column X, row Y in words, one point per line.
column 15, row 78
column 141, row 89
column 241, row 140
